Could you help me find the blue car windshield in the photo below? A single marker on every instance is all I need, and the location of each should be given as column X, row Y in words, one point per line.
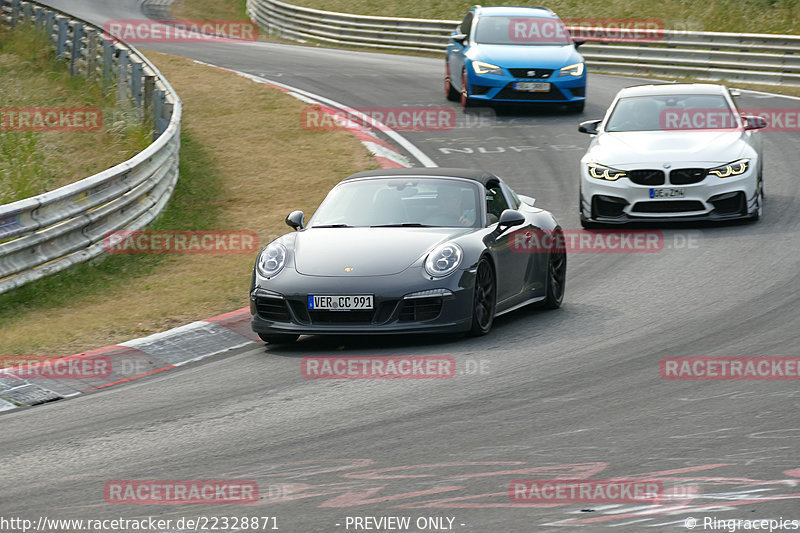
column 522, row 31
column 672, row 112
column 400, row 202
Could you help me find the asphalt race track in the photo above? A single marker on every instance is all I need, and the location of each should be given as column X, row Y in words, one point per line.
column 573, row 393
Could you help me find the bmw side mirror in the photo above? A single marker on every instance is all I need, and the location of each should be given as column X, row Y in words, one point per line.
column 296, row 220
column 510, row 218
column 752, row 122
column 589, row 126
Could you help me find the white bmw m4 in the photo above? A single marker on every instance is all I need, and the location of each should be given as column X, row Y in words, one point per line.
column 677, row 151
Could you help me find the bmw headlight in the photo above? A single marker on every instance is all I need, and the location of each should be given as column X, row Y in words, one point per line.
column 605, row 173
column 486, row 68
column 731, row 169
column 571, row 70
column 271, row 260
column 443, row 260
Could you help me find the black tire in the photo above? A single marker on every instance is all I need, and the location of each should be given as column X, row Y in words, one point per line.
column 286, row 338
column 484, row 298
column 464, row 96
column 556, row 279
column 755, row 217
column 450, row 92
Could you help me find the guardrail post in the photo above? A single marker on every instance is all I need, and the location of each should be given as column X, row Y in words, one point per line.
column 149, row 89
column 38, row 17
column 158, row 112
column 14, row 12
column 27, row 12
column 122, row 75
column 91, row 53
column 49, row 24
column 108, row 63
column 61, row 37
column 136, row 86
column 77, row 41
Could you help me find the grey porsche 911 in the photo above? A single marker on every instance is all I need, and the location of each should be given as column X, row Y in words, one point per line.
column 405, row 251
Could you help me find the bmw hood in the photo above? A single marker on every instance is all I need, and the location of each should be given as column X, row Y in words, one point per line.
column 658, row 147
column 368, row 251
column 526, row 56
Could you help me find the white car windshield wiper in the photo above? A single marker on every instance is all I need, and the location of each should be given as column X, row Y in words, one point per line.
column 403, row 225
column 331, row 226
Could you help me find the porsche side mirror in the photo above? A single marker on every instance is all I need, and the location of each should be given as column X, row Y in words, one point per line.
column 510, row 218
column 296, row 220
column 589, row 126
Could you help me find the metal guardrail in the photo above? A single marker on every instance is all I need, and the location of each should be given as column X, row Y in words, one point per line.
column 713, row 56
column 52, row 231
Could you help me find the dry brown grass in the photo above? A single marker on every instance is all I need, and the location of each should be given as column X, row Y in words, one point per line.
column 267, row 165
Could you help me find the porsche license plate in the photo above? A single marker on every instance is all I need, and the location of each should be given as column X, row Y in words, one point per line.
column 667, row 193
column 340, row 303
column 532, row 86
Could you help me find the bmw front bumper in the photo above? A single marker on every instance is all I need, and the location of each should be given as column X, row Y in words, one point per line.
column 713, row 198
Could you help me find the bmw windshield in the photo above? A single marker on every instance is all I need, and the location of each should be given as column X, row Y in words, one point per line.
column 407, row 202
column 522, row 31
column 672, row 112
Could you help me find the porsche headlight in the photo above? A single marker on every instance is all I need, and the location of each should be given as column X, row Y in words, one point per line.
column 486, row 68
column 571, row 70
column 605, row 173
column 731, row 169
column 443, row 260
column 271, row 260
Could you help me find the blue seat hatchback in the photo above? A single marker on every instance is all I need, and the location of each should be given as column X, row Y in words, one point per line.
column 514, row 54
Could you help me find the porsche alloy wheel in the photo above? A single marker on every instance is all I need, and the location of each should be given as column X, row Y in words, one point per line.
column 484, row 299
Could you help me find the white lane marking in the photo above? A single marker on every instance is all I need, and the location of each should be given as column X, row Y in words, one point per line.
column 392, row 134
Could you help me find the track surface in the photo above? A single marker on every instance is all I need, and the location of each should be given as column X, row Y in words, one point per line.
column 570, row 393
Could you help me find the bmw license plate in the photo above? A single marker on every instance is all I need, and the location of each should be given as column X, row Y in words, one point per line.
column 532, row 86
column 667, row 193
column 340, row 303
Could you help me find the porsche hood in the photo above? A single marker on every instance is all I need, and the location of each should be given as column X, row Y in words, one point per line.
column 365, row 251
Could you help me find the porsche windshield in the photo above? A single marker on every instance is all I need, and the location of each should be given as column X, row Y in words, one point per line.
column 672, row 112
column 405, row 202
column 522, row 31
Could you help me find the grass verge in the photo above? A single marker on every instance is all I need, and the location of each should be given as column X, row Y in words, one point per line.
column 35, row 162
column 245, row 163
column 753, row 16
column 209, row 9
